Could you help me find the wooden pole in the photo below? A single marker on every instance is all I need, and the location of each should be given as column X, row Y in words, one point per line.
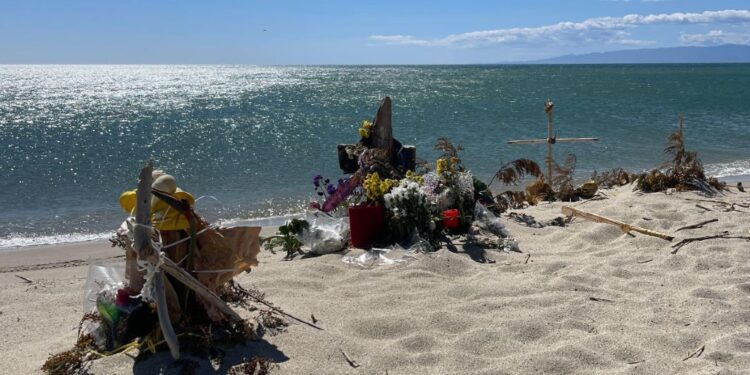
column 142, row 240
column 570, row 211
column 548, row 108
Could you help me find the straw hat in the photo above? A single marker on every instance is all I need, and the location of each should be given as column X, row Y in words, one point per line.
column 160, row 210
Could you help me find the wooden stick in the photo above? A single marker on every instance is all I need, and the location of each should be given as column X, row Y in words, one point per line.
column 349, row 360
column 696, row 226
column 188, row 280
column 142, row 243
column 702, row 208
column 163, row 311
column 686, row 241
column 24, row 279
column 695, row 354
column 570, row 211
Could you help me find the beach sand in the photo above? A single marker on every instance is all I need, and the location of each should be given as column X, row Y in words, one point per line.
column 588, row 299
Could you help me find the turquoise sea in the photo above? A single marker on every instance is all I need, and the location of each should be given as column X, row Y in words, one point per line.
column 249, row 138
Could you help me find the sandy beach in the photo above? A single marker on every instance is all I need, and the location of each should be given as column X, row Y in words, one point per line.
column 585, row 298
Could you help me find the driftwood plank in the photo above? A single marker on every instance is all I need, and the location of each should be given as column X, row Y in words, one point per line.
column 186, row 278
column 570, row 211
column 382, row 127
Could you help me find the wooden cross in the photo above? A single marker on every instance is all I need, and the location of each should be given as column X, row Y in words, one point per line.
column 551, row 138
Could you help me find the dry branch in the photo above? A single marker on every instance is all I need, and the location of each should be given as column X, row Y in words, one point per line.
column 695, row 354
column 570, row 211
column 696, row 226
column 351, row 362
column 686, row 241
column 24, row 279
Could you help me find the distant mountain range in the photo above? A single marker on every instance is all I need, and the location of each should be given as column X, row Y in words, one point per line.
column 727, row 53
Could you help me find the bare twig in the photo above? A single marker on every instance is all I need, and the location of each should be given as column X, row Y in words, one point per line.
column 528, row 256
column 24, row 279
column 351, row 361
column 636, row 362
column 703, row 208
column 686, row 241
column 600, row 299
column 276, row 309
column 696, row 353
column 645, row 261
column 696, row 226
column 313, row 318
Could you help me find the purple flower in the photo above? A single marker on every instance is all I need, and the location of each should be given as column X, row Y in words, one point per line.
column 316, row 180
column 330, row 189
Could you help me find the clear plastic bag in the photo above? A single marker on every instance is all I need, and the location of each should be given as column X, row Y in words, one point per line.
column 103, row 281
column 486, row 220
column 380, row 257
column 326, row 234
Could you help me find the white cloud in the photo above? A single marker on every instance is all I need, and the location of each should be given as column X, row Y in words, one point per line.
column 609, row 30
column 399, row 39
column 715, row 37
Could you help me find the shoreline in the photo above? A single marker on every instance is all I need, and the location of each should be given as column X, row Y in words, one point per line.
column 275, row 221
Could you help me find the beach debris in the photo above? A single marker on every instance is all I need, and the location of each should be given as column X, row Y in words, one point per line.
column 200, row 260
column 703, row 208
column 552, row 139
column 613, row 177
column 531, row 222
column 253, row 366
column 24, row 279
column 723, row 235
column 696, row 226
column 570, row 211
column 636, row 362
column 526, row 261
column 350, row 361
column 695, row 354
column 740, row 187
column 645, row 261
column 683, row 172
column 595, row 299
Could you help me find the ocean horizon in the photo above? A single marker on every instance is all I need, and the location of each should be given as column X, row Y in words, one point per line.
column 247, row 139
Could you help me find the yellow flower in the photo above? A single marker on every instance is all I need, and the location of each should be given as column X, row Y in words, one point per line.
column 365, row 128
column 410, row 175
column 442, row 166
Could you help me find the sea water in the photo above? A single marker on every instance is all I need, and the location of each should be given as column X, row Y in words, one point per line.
column 249, row 139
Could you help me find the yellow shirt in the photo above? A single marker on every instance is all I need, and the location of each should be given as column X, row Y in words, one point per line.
column 163, row 216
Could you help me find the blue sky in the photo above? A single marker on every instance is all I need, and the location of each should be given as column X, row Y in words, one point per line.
column 355, row 32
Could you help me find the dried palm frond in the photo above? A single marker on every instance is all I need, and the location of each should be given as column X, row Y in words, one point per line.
column 509, row 200
column 562, row 182
column 613, row 177
column 450, row 151
column 684, row 170
column 539, row 190
column 421, row 166
column 513, row 172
